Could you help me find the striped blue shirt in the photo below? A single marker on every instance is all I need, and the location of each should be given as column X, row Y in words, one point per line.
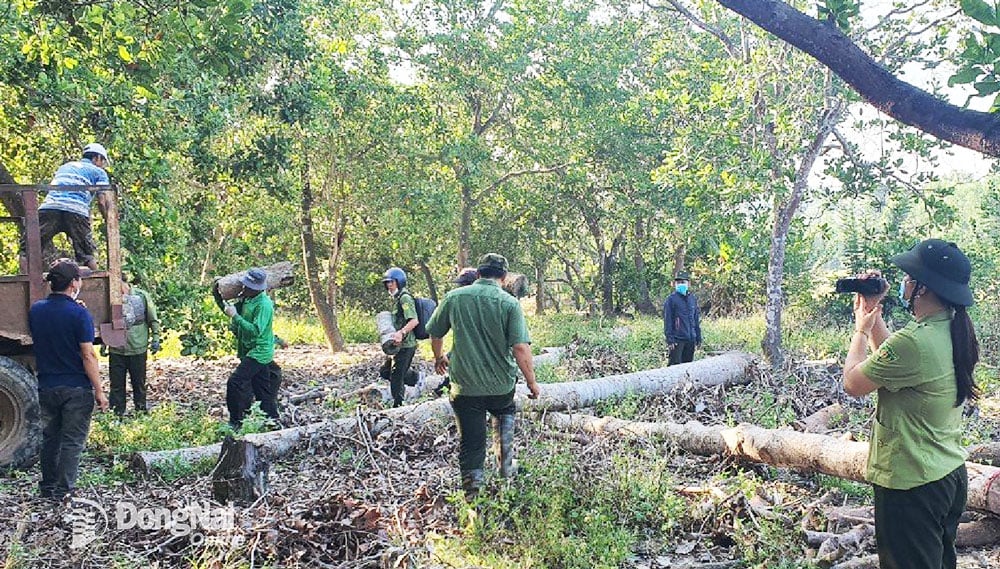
column 78, row 173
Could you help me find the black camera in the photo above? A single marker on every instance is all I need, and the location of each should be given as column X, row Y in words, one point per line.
column 865, row 287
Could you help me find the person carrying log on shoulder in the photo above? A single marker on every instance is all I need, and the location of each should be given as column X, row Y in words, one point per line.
column 257, row 376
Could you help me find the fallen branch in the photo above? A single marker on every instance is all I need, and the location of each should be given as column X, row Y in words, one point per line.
column 727, row 368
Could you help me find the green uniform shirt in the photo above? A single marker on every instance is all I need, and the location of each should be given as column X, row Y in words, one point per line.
column 916, row 436
column 487, row 322
column 138, row 335
column 252, row 327
column 404, row 309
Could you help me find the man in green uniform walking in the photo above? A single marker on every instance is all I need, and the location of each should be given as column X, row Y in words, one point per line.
column 256, row 377
column 490, row 343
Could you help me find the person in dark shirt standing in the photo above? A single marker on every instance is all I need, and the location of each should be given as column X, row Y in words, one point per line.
column 69, row 379
column 681, row 321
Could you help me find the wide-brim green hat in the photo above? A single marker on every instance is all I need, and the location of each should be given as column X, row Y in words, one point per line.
column 942, row 267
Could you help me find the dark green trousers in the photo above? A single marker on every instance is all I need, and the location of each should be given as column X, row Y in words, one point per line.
column 915, row 528
column 470, row 416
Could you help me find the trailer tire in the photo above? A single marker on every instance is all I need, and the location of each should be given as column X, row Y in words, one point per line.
column 20, row 422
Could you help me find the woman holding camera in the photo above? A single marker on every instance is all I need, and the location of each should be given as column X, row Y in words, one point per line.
column 923, row 374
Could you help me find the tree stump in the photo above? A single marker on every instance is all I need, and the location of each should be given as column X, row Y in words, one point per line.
column 240, row 476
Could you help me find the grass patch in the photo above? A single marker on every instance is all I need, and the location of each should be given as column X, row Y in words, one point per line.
column 165, row 427
column 563, row 514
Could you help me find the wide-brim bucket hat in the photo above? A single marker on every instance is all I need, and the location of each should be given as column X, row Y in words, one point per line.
column 255, row 279
column 942, row 267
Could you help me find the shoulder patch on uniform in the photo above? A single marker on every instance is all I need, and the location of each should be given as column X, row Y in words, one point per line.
column 885, row 353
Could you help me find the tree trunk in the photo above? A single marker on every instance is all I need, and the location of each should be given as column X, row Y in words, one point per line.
column 324, row 310
column 783, row 215
column 643, row 304
column 241, row 474
column 540, row 288
column 729, row 368
column 429, row 277
column 979, row 131
column 279, row 275
column 680, row 258
column 608, row 268
column 806, row 452
column 465, row 228
column 10, row 200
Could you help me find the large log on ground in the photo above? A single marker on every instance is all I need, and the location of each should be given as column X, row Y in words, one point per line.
column 380, row 394
column 729, row 368
column 806, row 452
column 278, row 275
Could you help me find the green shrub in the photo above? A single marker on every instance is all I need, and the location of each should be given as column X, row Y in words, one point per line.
column 164, row 427
column 563, row 514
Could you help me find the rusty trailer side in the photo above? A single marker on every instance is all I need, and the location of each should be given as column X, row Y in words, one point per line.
column 101, row 291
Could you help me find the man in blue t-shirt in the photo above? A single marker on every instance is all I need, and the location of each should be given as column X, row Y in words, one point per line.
column 69, row 211
column 69, row 379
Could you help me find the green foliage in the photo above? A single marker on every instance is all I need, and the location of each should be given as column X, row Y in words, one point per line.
column 859, row 490
column 164, row 427
column 559, row 517
column 177, row 468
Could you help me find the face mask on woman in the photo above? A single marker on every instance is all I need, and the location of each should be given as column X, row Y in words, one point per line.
column 902, row 294
column 681, row 288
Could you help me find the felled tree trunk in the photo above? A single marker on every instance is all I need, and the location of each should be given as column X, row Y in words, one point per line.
column 806, row 452
column 278, row 275
column 241, row 475
column 729, row 368
column 380, row 394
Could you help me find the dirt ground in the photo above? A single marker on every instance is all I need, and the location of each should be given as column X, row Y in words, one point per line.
column 385, row 501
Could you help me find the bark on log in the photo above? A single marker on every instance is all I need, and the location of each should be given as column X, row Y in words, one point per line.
column 241, row 475
column 379, row 394
column 729, row 368
column 819, row 422
column 278, row 275
column 987, row 453
column 806, row 452
column 979, row 533
column 383, row 322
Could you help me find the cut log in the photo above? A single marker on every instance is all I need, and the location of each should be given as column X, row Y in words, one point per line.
column 729, row 368
column 515, row 284
column 383, row 323
column 240, row 477
column 379, row 394
column 832, row 547
column 979, row 533
column 819, row 422
column 278, row 275
column 805, row 452
column 987, row 453
column 866, row 562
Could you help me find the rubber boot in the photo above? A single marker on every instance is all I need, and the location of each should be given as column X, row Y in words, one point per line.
column 472, row 481
column 503, row 444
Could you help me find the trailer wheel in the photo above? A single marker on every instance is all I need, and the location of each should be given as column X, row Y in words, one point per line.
column 20, row 425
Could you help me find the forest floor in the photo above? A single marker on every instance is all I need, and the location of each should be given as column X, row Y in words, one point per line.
column 392, row 500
